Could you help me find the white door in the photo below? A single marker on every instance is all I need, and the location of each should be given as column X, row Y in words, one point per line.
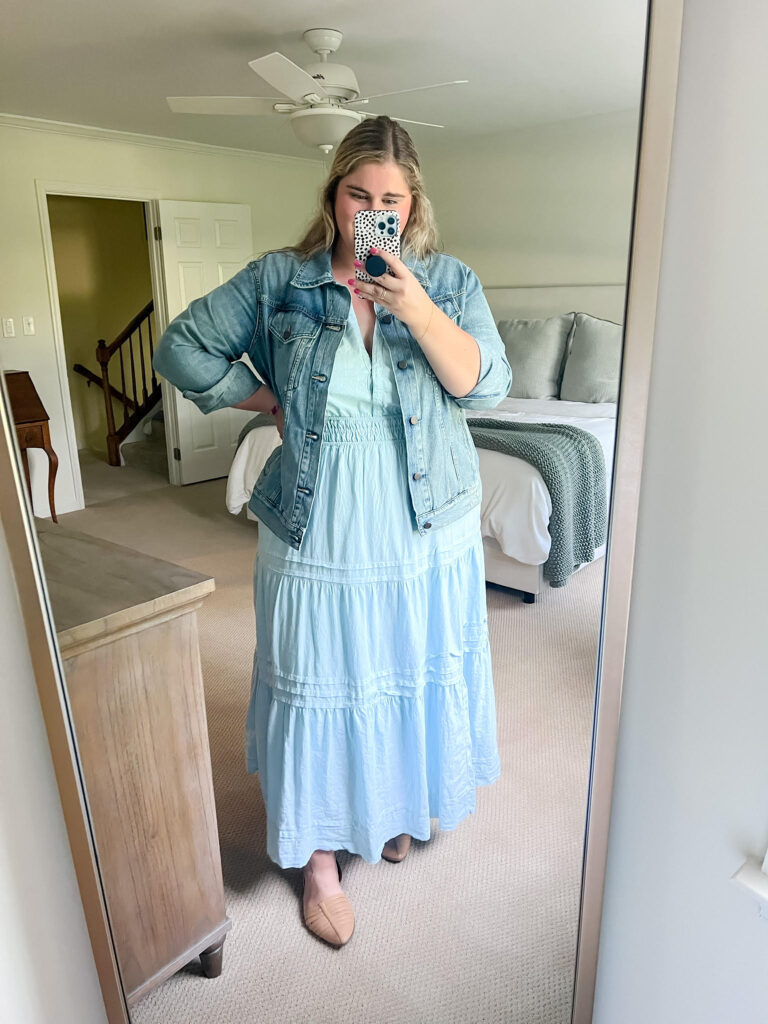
column 203, row 245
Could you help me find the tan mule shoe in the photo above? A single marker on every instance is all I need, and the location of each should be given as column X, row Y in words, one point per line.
column 396, row 849
column 332, row 919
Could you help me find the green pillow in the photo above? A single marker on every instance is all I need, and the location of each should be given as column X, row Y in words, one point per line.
column 535, row 351
column 593, row 362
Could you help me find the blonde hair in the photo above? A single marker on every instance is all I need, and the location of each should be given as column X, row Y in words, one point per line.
column 374, row 140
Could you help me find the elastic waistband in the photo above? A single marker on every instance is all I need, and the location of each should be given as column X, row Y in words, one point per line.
column 363, row 428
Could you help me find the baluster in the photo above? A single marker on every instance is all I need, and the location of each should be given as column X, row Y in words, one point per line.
column 122, row 380
column 143, row 368
column 151, row 351
column 113, row 444
column 133, row 373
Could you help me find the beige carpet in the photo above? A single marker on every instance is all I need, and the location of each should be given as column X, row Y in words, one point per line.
column 478, row 925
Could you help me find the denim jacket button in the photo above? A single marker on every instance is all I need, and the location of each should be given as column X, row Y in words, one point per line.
column 417, row 476
column 386, row 319
column 287, row 333
column 402, row 364
column 414, row 419
column 427, row 525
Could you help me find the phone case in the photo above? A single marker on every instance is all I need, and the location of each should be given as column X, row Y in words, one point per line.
column 377, row 228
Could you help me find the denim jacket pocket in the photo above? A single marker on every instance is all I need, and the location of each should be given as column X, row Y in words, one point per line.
column 294, row 331
column 293, row 325
column 448, row 305
column 269, row 483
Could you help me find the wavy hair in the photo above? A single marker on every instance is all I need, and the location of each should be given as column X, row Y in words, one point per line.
column 373, row 140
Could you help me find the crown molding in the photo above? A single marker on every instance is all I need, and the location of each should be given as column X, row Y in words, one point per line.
column 39, row 124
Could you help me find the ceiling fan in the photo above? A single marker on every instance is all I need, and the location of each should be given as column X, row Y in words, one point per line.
column 322, row 94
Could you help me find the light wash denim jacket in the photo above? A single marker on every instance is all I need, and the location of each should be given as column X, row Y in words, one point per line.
column 288, row 314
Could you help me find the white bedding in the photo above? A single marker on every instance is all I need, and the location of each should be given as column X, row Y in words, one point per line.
column 515, row 507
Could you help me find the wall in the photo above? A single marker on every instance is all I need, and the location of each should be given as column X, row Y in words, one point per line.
column 280, row 190
column 550, row 204
column 47, row 972
column 681, row 944
column 103, row 278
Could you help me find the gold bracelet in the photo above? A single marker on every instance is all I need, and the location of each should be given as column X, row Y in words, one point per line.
column 419, row 340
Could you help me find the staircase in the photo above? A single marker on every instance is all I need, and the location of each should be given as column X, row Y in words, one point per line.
column 149, row 455
column 129, row 355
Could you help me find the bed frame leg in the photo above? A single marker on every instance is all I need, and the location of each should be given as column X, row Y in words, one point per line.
column 528, row 598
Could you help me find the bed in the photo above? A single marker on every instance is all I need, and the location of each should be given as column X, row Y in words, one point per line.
column 516, row 506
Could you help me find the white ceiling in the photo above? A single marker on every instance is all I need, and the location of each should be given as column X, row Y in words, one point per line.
column 109, row 64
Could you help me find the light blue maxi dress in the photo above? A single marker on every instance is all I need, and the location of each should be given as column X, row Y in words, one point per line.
column 372, row 706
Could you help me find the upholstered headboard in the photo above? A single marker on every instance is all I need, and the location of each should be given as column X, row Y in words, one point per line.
column 601, row 300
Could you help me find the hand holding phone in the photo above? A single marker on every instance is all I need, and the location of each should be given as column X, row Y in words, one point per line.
column 379, row 229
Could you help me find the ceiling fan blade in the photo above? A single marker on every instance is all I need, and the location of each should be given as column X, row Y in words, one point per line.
column 289, row 78
column 251, row 105
column 427, row 124
column 398, row 92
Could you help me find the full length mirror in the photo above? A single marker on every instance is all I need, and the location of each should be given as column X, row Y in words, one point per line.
column 325, row 550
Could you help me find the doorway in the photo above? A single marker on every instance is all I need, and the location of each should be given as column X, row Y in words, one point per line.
column 102, row 258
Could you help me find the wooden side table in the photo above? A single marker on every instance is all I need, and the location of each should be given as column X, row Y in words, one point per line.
column 31, row 421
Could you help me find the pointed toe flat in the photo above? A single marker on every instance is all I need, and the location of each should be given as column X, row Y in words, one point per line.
column 397, row 849
column 332, row 919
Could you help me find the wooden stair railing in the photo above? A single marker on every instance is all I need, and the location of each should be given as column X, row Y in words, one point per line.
column 146, row 391
column 92, row 378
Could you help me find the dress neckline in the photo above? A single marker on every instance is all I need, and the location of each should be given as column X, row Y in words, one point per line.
column 368, row 355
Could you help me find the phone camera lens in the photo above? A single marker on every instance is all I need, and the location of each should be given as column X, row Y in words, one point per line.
column 382, row 225
column 390, row 231
column 391, row 220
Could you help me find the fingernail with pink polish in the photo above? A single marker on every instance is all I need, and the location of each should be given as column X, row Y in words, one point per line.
column 350, row 280
column 358, row 263
column 374, row 249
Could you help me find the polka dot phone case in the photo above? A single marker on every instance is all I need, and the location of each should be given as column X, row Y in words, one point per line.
column 377, row 228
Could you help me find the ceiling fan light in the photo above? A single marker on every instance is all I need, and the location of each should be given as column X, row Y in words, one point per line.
column 322, row 127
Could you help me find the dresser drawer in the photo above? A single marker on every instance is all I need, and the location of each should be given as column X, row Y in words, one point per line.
column 30, row 435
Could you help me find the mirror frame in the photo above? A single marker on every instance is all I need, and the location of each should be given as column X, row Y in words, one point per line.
column 657, row 108
column 654, row 150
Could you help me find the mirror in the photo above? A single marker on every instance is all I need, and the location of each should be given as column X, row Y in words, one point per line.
column 149, row 565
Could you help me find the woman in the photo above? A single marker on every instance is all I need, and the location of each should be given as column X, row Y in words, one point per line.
column 372, row 706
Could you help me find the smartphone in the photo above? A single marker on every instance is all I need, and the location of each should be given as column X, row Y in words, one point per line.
column 377, row 228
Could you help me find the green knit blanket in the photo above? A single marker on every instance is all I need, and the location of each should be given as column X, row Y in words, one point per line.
column 261, row 419
column 572, row 465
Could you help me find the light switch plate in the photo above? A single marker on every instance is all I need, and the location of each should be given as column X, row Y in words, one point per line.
column 28, row 323
column 9, row 329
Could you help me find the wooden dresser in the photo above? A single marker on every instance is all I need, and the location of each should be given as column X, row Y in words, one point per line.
column 127, row 632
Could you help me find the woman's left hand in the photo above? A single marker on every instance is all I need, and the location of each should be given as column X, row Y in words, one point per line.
column 401, row 294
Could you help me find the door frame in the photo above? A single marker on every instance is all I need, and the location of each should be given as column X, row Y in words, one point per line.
column 88, row 190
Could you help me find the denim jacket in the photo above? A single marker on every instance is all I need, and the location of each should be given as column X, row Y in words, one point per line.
column 288, row 314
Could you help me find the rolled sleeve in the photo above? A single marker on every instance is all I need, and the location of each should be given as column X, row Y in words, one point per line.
column 201, row 351
column 495, row 378
column 238, row 383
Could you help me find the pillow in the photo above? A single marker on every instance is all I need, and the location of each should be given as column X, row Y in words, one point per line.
column 535, row 352
column 593, row 361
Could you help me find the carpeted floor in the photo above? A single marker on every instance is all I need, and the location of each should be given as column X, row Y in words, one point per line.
column 476, row 926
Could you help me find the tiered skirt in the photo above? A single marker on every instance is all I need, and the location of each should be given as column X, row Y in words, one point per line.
column 372, row 705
